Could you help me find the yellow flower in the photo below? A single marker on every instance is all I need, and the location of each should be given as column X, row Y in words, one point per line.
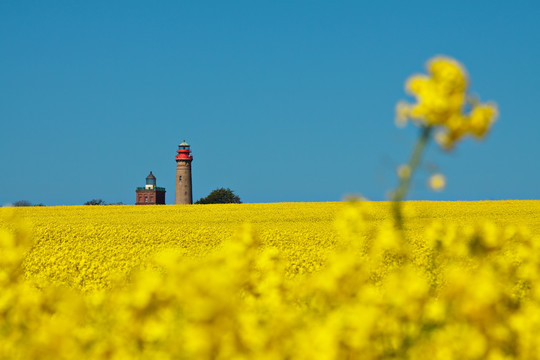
column 440, row 95
column 418, row 84
column 437, row 182
column 440, row 102
column 481, row 118
column 449, row 74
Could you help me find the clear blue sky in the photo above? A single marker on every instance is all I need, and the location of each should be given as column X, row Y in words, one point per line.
column 281, row 100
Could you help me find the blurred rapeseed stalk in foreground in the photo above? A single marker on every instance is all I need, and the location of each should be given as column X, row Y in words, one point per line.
column 443, row 105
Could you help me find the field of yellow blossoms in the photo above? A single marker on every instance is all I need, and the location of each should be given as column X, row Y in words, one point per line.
column 271, row 281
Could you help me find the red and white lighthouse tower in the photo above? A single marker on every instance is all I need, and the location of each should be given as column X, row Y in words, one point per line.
column 183, row 193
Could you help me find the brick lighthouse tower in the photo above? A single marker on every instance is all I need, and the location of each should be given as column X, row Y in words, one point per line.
column 183, row 193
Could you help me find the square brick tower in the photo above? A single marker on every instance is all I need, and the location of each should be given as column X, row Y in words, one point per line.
column 150, row 194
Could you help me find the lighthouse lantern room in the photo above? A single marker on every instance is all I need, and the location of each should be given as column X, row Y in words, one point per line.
column 150, row 181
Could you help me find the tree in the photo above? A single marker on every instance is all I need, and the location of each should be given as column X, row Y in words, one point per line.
column 220, row 196
column 95, row 202
column 22, row 203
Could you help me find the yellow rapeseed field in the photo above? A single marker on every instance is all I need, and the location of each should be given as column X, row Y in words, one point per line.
column 85, row 247
column 303, row 281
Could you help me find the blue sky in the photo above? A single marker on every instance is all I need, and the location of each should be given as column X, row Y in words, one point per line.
column 281, row 100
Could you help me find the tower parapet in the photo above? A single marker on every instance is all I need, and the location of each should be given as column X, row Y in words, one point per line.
column 183, row 191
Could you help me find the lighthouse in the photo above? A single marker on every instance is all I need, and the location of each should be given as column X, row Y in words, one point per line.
column 150, row 193
column 183, row 192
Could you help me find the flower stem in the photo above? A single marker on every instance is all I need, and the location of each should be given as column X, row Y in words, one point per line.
column 401, row 191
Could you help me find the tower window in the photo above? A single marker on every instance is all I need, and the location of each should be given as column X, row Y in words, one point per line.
column 146, row 199
column 180, row 178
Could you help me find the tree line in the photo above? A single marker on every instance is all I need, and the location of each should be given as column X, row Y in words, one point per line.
column 218, row 196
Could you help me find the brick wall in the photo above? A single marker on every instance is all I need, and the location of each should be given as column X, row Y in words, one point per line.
column 150, row 197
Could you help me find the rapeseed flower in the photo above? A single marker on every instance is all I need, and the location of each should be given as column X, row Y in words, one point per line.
column 437, row 182
column 442, row 103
